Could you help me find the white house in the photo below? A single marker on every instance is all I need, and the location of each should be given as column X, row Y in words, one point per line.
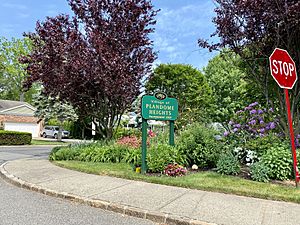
column 19, row 116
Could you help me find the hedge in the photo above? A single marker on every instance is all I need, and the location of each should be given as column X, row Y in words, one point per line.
column 14, row 138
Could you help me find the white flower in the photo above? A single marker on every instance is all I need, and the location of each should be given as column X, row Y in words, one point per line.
column 194, row 167
column 238, row 149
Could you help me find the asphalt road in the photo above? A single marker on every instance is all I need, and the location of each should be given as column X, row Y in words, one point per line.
column 20, row 152
column 20, row 206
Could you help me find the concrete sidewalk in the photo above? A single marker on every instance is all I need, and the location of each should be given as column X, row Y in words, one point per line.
column 162, row 204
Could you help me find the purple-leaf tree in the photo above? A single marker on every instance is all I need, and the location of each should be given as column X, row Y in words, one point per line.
column 252, row 29
column 96, row 59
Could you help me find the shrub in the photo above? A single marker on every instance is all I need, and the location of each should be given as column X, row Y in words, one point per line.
column 228, row 164
column 260, row 145
column 64, row 153
column 54, row 151
column 245, row 156
column 130, row 141
column 108, row 153
column 14, row 138
column 160, row 156
column 253, row 121
column 123, row 132
column 259, row 172
column 92, row 152
column 279, row 162
column 133, row 156
column 200, row 146
column 175, row 170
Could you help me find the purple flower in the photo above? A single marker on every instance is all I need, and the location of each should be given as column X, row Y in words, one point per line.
column 252, row 122
column 253, row 111
column 248, row 108
column 272, row 125
column 240, row 111
column 262, row 130
column 271, row 110
column 260, row 111
column 253, row 104
column 261, row 135
column 226, row 133
column 237, row 125
column 235, row 130
column 261, row 122
column 230, row 122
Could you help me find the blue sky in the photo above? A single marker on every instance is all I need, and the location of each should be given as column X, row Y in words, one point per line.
column 179, row 25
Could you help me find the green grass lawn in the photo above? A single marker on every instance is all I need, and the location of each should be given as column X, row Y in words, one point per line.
column 209, row 181
column 41, row 142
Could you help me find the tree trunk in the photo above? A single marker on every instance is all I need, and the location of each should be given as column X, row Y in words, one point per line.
column 59, row 135
column 82, row 133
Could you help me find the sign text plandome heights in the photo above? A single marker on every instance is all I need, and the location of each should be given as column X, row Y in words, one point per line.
column 155, row 109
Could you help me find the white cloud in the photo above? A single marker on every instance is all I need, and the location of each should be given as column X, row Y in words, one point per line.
column 178, row 29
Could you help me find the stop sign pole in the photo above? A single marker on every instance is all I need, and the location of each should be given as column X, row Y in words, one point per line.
column 283, row 70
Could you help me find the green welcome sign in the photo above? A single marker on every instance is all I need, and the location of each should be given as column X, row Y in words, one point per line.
column 157, row 107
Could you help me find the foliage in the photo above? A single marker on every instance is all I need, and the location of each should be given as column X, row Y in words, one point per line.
column 12, row 73
column 185, row 83
column 252, row 131
column 93, row 152
column 260, row 145
column 123, row 132
column 200, row 146
column 64, row 153
column 252, row 121
column 160, row 136
column 228, row 164
column 67, row 125
column 253, row 31
column 175, row 170
column 14, row 138
column 245, row 156
column 278, row 161
column 96, row 59
column 54, row 108
column 259, row 172
column 133, row 156
column 159, row 156
column 130, row 141
column 230, row 90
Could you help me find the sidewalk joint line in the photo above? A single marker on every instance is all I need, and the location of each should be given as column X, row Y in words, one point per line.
column 198, row 202
column 174, row 199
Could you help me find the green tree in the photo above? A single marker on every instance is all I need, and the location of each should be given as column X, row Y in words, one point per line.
column 252, row 29
column 54, row 108
column 231, row 90
column 188, row 85
column 12, row 72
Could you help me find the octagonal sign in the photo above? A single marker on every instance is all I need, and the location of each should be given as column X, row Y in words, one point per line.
column 283, row 68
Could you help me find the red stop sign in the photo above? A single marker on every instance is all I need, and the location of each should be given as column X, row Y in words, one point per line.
column 283, row 68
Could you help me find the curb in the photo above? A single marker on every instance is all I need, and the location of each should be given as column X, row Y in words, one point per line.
column 157, row 217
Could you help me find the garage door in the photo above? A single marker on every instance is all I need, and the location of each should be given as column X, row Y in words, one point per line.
column 32, row 128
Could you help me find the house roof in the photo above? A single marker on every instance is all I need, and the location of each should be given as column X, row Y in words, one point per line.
column 16, row 108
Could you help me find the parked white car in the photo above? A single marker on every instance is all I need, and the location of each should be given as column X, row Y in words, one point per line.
column 52, row 131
